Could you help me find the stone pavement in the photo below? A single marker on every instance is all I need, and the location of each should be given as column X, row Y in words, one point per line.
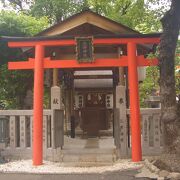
column 121, row 170
column 117, row 175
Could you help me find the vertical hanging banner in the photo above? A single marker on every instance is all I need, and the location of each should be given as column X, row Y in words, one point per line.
column 84, row 49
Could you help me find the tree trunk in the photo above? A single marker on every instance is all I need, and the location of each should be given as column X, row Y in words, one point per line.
column 169, row 113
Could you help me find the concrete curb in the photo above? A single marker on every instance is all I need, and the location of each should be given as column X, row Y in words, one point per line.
column 163, row 174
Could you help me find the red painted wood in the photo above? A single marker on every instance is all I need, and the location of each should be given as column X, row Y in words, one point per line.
column 97, row 63
column 21, row 64
column 38, row 106
column 43, row 43
column 122, row 62
column 141, row 61
column 134, row 103
column 126, row 40
column 73, row 42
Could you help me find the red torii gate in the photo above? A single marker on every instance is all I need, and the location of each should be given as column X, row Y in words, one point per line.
column 40, row 62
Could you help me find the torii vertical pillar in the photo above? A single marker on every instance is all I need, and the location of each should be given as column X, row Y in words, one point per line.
column 134, row 103
column 38, row 106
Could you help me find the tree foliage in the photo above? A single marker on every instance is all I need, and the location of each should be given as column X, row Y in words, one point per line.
column 13, row 83
column 133, row 13
column 150, row 84
column 56, row 10
column 136, row 14
column 13, row 24
column 13, row 87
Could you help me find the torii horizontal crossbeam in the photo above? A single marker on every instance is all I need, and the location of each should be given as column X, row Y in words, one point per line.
column 116, row 62
column 71, row 42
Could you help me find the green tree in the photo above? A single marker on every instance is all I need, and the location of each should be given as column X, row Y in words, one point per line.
column 13, row 87
column 56, row 10
column 13, row 24
column 150, row 84
column 133, row 13
column 170, row 109
column 20, row 24
column 13, row 83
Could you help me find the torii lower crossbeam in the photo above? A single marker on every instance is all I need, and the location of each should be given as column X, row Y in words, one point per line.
column 47, row 63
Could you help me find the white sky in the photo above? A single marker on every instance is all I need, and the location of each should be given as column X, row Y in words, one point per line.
column 9, row 8
column 2, row 8
column 0, row 5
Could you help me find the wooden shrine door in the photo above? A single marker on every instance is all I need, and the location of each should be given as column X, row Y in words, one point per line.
column 94, row 114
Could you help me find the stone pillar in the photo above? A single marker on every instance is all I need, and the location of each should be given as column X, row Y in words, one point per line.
column 55, row 77
column 157, row 135
column 23, row 132
column 45, row 135
column 13, row 132
column 121, row 69
column 56, row 98
column 58, row 128
column 66, row 101
column 145, row 132
column 121, row 106
column 31, row 131
column 57, row 124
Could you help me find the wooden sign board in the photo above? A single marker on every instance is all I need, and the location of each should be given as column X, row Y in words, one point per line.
column 84, row 49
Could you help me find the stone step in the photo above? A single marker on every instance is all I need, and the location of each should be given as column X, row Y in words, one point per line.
column 86, row 164
column 91, row 157
column 80, row 132
column 97, row 151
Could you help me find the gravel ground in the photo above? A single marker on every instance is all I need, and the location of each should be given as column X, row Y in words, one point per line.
column 168, row 162
column 48, row 167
